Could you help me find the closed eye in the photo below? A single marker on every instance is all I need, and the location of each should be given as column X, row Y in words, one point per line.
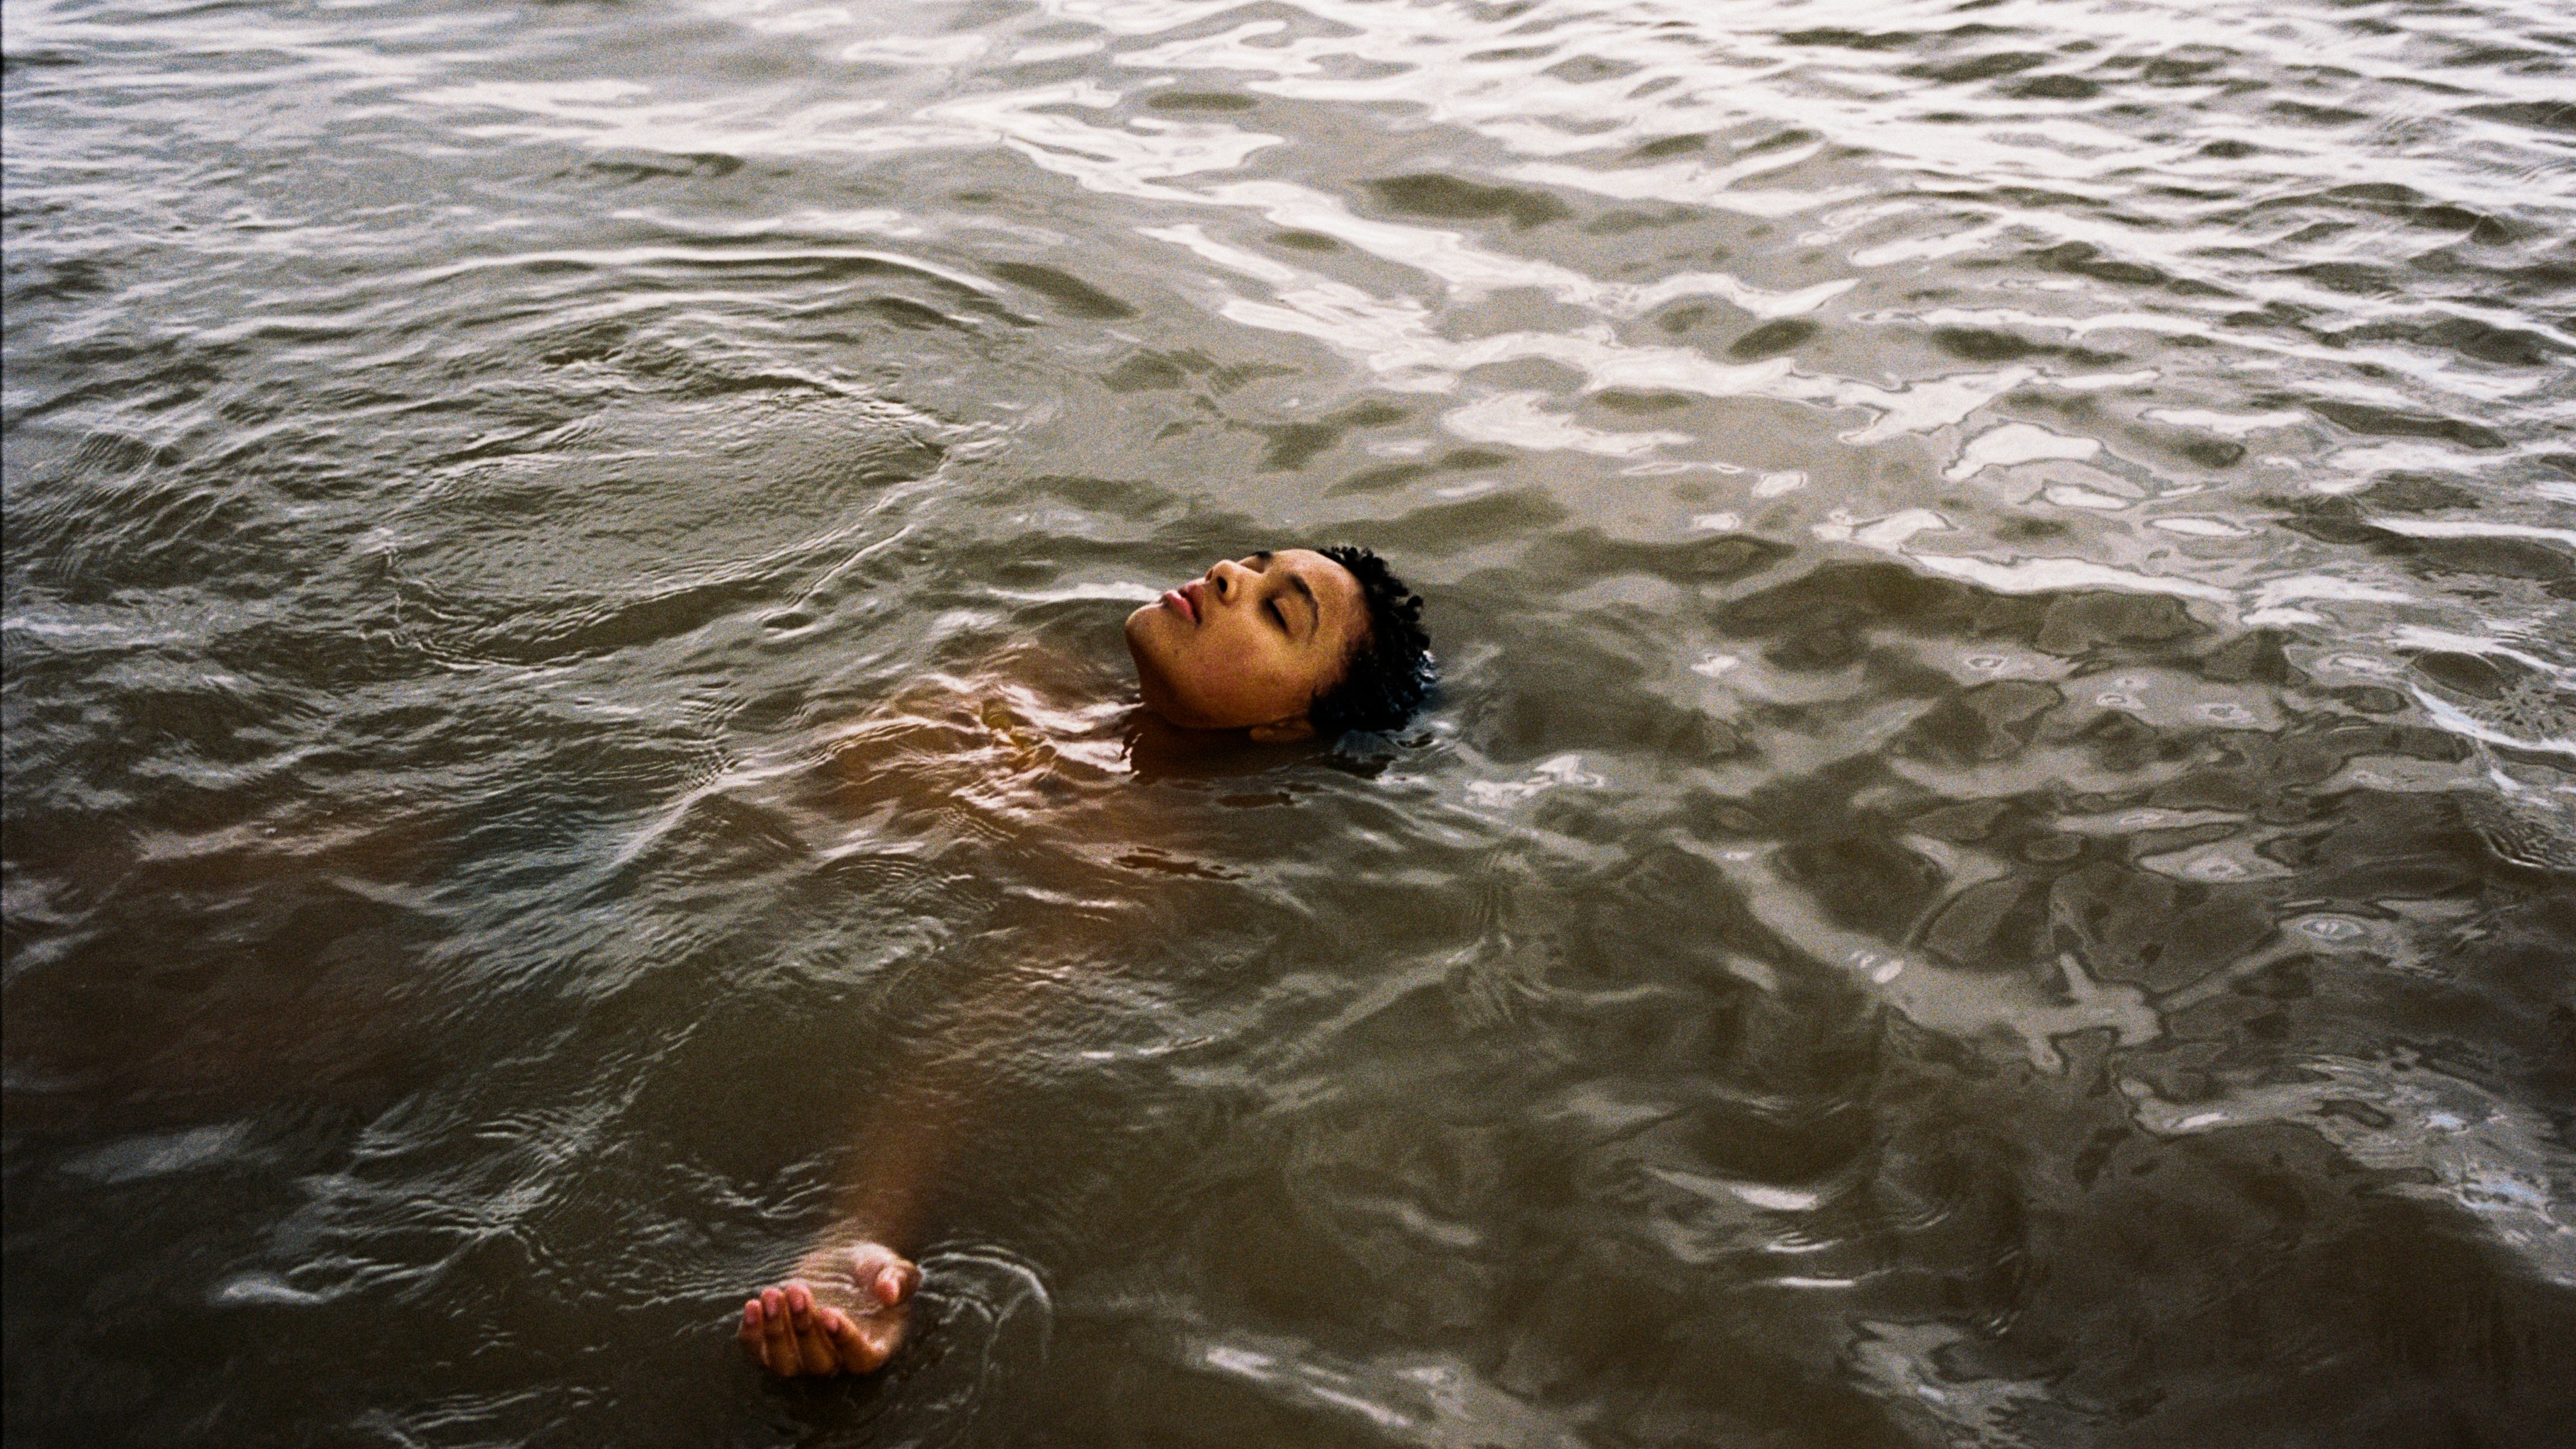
column 1279, row 614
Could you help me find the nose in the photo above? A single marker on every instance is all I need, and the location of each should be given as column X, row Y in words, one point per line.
column 1226, row 576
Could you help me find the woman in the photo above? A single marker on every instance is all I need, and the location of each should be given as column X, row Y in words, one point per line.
column 1280, row 646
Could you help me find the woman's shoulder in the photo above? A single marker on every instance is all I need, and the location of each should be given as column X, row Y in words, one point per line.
column 1003, row 727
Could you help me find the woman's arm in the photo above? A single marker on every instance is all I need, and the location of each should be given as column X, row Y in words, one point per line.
column 847, row 1307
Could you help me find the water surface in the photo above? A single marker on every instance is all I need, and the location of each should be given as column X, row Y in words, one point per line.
column 1995, row 865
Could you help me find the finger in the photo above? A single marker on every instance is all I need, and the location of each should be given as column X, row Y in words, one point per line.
column 784, row 1357
column 895, row 1282
column 881, row 1334
column 813, row 1346
column 858, row 1355
column 750, row 1335
column 828, row 1345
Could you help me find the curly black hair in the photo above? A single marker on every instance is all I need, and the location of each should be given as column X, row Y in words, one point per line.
column 1390, row 670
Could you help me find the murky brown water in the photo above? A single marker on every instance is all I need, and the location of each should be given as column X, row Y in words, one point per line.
column 1994, row 867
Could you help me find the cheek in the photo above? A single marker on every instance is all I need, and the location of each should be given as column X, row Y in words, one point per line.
column 1279, row 681
column 1238, row 681
column 1312, row 671
column 1161, row 660
column 1215, row 675
column 1179, row 669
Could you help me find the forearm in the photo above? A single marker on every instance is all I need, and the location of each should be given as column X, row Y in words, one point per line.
column 911, row 1132
column 902, row 1152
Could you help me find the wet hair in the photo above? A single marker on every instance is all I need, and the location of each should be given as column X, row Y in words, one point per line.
column 1390, row 670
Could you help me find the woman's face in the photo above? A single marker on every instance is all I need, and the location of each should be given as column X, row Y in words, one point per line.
column 1249, row 643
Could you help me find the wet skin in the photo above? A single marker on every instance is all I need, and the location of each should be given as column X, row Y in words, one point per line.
column 1249, row 644
column 1245, row 646
column 845, row 1312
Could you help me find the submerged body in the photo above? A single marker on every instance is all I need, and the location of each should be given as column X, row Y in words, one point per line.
column 1252, row 651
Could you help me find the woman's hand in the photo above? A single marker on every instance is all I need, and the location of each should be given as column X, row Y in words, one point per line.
column 845, row 1312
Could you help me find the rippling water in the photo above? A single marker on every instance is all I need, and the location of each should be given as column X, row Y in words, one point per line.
column 1994, row 867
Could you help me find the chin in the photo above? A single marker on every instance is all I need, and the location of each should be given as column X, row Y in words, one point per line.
column 1140, row 631
column 1150, row 674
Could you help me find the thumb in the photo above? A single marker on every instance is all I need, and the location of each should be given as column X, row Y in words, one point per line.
column 896, row 1282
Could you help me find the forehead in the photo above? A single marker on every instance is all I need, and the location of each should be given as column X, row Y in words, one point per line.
column 1335, row 590
column 1313, row 567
